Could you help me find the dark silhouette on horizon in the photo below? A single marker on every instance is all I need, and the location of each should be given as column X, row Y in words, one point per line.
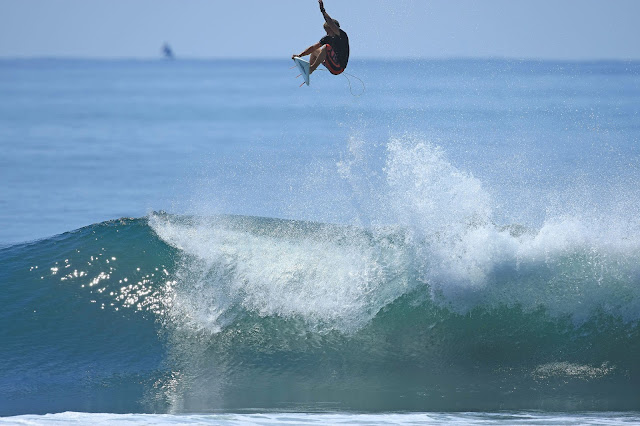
column 167, row 51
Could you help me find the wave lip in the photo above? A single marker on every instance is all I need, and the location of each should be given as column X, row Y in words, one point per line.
column 328, row 276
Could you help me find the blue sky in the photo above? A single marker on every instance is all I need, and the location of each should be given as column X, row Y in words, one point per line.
column 545, row 29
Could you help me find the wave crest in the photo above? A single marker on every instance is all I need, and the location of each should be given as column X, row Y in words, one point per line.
column 431, row 233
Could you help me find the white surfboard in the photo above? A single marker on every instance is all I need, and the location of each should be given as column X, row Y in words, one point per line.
column 303, row 66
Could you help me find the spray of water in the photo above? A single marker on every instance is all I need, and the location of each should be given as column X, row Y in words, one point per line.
column 425, row 226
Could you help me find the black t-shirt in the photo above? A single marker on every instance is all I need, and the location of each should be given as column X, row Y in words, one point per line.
column 341, row 46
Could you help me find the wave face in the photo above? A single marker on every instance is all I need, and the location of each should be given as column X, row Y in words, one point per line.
column 432, row 306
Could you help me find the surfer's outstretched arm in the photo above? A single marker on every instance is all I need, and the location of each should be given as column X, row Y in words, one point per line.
column 328, row 19
column 309, row 50
column 318, row 54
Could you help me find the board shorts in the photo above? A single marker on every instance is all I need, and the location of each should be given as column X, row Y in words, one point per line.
column 331, row 61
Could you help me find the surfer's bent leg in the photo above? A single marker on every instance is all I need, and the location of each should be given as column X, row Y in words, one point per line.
column 331, row 62
column 317, row 57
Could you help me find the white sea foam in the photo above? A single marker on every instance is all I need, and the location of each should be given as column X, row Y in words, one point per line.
column 430, row 225
column 566, row 370
column 271, row 418
column 337, row 280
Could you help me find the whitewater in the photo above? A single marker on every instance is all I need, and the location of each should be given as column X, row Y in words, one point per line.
column 458, row 256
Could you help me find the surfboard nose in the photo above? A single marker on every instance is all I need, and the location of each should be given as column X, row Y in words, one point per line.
column 303, row 66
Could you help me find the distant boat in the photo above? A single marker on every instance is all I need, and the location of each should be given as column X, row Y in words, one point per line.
column 167, row 52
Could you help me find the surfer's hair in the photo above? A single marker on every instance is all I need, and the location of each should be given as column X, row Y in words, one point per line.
column 326, row 25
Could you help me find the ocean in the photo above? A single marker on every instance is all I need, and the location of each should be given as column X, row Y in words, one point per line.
column 433, row 241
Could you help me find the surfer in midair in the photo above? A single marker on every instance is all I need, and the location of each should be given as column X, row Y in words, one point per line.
column 332, row 50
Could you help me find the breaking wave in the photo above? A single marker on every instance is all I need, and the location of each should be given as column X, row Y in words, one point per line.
column 432, row 305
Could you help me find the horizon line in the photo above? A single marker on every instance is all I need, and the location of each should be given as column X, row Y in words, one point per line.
column 278, row 58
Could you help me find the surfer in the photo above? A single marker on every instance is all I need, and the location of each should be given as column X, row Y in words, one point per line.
column 332, row 50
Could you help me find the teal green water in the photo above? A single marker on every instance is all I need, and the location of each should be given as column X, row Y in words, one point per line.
column 187, row 314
